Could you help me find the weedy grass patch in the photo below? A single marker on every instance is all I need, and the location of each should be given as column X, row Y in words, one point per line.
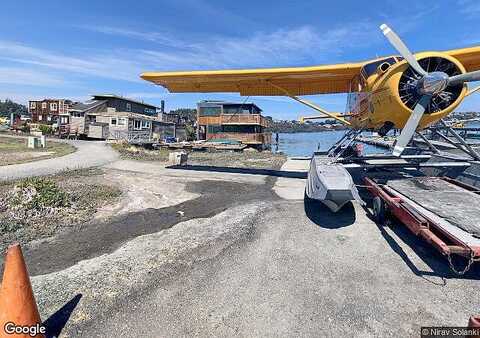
column 38, row 207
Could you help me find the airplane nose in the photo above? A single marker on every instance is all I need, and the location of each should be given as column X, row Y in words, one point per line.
column 432, row 83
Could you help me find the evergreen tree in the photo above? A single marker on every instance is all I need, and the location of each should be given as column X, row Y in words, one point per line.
column 8, row 106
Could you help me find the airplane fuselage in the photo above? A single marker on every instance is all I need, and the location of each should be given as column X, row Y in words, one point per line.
column 383, row 95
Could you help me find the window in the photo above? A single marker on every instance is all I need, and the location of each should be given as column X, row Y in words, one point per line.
column 49, row 118
column 371, row 68
column 33, row 105
column 129, row 106
column 53, row 106
column 210, row 111
column 137, row 124
column 238, row 109
column 40, row 117
column 113, row 121
column 64, row 120
column 44, row 105
column 240, row 129
column 122, row 121
column 145, row 124
column 149, row 111
column 214, row 129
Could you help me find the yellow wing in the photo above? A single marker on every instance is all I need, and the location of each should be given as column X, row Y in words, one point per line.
column 257, row 82
column 469, row 57
column 324, row 79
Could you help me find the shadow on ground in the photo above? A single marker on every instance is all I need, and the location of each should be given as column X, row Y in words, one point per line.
column 436, row 262
column 319, row 214
column 251, row 171
column 59, row 319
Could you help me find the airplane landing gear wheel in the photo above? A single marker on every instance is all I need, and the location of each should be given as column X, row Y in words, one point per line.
column 379, row 210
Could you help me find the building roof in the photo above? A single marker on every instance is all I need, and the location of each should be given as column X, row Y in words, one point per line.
column 67, row 101
column 84, row 106
column 113, row 96
column 225, row 103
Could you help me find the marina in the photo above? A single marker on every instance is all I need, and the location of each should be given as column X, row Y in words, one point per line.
column 230, row 169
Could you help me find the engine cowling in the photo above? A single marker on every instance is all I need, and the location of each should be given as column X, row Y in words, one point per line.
column 407, row 86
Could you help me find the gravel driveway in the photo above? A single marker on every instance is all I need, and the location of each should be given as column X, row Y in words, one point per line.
column 270, row 264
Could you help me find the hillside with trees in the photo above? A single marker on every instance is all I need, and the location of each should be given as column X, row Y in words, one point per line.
column 188, row 116
column 293, row 126
column 8, row 106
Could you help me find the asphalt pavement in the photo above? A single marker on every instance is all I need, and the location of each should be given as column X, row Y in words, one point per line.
column 88, row 154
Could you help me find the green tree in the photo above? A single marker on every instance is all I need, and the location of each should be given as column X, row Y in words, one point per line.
column 8, row 106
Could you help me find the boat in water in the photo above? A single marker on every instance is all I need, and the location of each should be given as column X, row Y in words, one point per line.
column 331, row 184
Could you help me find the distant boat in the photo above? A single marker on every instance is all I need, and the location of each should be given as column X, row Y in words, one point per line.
column 331, row 184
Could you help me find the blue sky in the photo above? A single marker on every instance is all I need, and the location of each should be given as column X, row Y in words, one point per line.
column 72, row 49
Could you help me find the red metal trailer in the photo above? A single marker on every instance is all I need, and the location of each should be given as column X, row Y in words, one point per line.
column 447, row 218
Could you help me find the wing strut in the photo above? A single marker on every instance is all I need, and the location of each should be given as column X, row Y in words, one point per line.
column 470, row 92
column 311, row 105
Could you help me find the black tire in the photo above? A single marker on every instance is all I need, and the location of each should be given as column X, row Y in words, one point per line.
column 379, row 210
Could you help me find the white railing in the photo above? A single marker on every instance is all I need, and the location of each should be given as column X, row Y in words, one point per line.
column 133, row 137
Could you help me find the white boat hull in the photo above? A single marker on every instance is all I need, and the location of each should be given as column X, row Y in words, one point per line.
column 331, row 184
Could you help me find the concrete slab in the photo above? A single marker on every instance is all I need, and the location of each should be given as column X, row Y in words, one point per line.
column 292, row 188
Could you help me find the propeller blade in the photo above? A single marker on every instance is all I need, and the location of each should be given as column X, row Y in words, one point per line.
column 402, row 49
column 411, row 125
column 467, row 77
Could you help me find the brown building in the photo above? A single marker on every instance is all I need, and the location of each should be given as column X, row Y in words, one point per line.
column 50, row 111
column 113, row 117
column 234, row 121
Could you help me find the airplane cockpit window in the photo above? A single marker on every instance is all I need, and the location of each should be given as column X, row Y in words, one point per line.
column 371, row 68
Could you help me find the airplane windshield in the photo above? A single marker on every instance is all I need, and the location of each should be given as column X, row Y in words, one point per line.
column 371, row 68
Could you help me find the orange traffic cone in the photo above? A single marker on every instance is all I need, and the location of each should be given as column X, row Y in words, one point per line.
column 19, row 315
column 474, row 323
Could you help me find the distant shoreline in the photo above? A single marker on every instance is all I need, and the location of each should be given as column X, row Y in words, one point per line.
column 296, row 131
column 305, row 131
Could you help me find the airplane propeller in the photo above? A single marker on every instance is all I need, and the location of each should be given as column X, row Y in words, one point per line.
column 428, row 85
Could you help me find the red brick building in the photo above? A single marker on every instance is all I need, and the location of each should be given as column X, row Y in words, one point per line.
column 49, row 111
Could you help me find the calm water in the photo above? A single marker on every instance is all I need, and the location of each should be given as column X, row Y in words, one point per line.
column 304, row 144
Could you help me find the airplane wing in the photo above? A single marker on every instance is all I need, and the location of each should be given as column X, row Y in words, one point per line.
column 469, row 57
column 323, row 79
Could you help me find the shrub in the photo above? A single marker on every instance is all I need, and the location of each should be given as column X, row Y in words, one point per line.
column 25, row 128
column 40, row 193
column 45, row 129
